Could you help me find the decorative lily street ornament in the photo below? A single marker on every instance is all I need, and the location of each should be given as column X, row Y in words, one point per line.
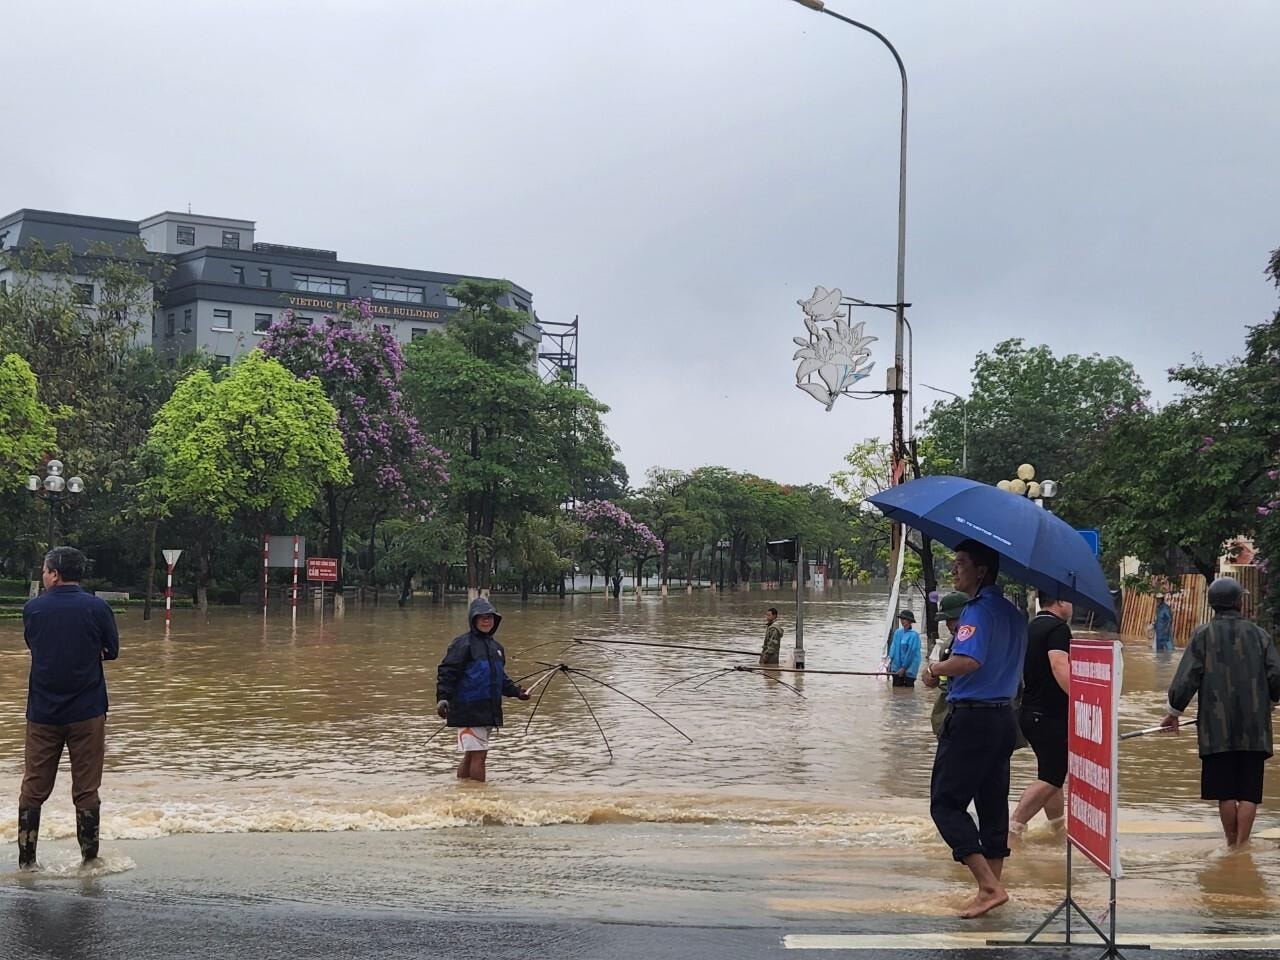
column 836, row 351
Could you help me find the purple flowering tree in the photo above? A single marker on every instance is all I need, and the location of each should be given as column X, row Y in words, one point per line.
column 611, row 535
column 393, row 466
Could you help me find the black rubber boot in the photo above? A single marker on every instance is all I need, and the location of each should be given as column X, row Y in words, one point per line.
column 87, row 832
column 28, row 833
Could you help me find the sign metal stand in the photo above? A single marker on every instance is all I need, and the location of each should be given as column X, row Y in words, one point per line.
column 1093, row 738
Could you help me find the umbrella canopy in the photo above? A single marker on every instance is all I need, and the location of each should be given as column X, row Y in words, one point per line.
column 1036, row 547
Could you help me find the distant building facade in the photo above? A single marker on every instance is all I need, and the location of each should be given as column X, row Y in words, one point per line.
column 226, row 288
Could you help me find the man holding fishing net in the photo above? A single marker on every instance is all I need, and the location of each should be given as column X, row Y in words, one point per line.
column 470, row 684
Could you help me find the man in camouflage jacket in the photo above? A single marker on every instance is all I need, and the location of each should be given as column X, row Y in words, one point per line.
column 1232, row 665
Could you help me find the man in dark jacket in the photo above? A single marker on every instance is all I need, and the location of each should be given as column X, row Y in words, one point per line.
column 470, row 684
column 1234, row 668
column 70, row 633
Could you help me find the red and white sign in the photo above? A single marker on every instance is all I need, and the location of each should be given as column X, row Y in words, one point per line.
column 322, row 568
column 1093, row 735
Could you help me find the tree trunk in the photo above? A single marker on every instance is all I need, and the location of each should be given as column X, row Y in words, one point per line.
column 151, row 574
column 406, row 587
column 666, row 558
column 524, row 588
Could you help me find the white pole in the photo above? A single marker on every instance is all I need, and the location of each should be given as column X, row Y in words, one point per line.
column 168, row 598
column 295, row 579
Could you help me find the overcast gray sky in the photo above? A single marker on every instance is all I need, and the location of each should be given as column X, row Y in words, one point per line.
column 1097, row 176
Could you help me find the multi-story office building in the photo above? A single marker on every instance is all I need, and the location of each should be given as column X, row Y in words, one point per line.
column 226, row 288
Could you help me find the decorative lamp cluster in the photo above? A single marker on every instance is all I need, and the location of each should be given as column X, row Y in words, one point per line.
column 1025, row 484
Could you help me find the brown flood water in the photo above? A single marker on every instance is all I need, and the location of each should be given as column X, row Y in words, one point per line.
column 797, row 807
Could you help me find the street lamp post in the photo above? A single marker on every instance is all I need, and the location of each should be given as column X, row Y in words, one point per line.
column 896, row 384
column 964, row 418
column 54, row 489
column 897, row 380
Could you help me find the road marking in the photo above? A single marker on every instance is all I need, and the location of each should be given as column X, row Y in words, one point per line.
column 977, row 941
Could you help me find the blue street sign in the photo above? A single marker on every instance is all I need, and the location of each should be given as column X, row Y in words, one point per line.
column 1092, row 538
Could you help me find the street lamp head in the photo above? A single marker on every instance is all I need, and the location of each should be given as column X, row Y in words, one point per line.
column 33, row 483
column 1033, row 489
column 1026, row 472
column 1005, row 485
column 1018, row 486
column 812, row 4
column 54, row 483
column 1049, row 489
column 54, row 468
column 75, row 485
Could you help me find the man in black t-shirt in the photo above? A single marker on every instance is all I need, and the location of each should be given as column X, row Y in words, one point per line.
column 1043, row 719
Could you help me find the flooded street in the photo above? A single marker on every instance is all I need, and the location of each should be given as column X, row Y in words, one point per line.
column 258, row 761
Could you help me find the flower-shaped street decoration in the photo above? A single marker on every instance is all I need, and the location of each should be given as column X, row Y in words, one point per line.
column 836, row 355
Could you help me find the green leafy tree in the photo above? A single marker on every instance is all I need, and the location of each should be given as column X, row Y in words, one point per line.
column 235, row 449
column 1027, row 405
column 514, row 443
column 26, row 424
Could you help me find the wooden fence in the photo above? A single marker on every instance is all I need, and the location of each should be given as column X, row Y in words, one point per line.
column 1187, row 597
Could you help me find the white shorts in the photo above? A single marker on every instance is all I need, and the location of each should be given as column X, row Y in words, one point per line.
column 471, row 739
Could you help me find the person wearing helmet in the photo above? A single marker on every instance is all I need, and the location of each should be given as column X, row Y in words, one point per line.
column 904, row 651
column 1233, row 667
column 949, row 609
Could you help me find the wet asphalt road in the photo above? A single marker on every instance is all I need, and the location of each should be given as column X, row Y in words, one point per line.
column 96, row 925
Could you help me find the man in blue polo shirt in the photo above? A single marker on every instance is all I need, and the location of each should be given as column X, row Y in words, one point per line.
column 978, row 736
column 70, row 633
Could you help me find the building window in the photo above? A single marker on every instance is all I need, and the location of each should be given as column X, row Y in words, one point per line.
column 302, row 319
column 237, row 274
column 221, row 360
column 384, row 327
column 417, row 333
column 342, row 324
column 4, row 287
column 261, row 321
column 168, row 325
column 186, row 236
column 84, row 293
column 265, row 276
column 311, row 283
column 231, row 239
column 451, row 301
column 186, row 320
column 398, row 293
column 222, row 319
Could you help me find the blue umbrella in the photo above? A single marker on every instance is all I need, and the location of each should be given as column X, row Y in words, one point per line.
column 1035, row 546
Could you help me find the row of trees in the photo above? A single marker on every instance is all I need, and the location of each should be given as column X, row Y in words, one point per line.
column 1173, row 485
column 451, row 454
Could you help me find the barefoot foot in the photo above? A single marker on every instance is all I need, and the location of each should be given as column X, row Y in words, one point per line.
column 984, row 902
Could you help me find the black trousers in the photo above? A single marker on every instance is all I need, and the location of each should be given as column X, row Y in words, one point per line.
column 972, row 766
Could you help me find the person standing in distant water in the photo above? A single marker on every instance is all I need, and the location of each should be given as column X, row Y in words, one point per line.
column 949, row 609
column 1234, row 668
column 1163, row 624
column 978, row 737
column 70, row 633
column 470, row 684
column 904, row 651
column 1046, row 679
column 772, row 638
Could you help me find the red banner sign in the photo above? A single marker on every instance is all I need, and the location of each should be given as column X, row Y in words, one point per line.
column 1097, row 673
column 322, row 568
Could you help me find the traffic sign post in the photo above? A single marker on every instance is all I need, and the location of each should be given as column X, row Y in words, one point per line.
column 1094, row 539
column 322, row 570
column 1093, row 739
column 170, row 561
